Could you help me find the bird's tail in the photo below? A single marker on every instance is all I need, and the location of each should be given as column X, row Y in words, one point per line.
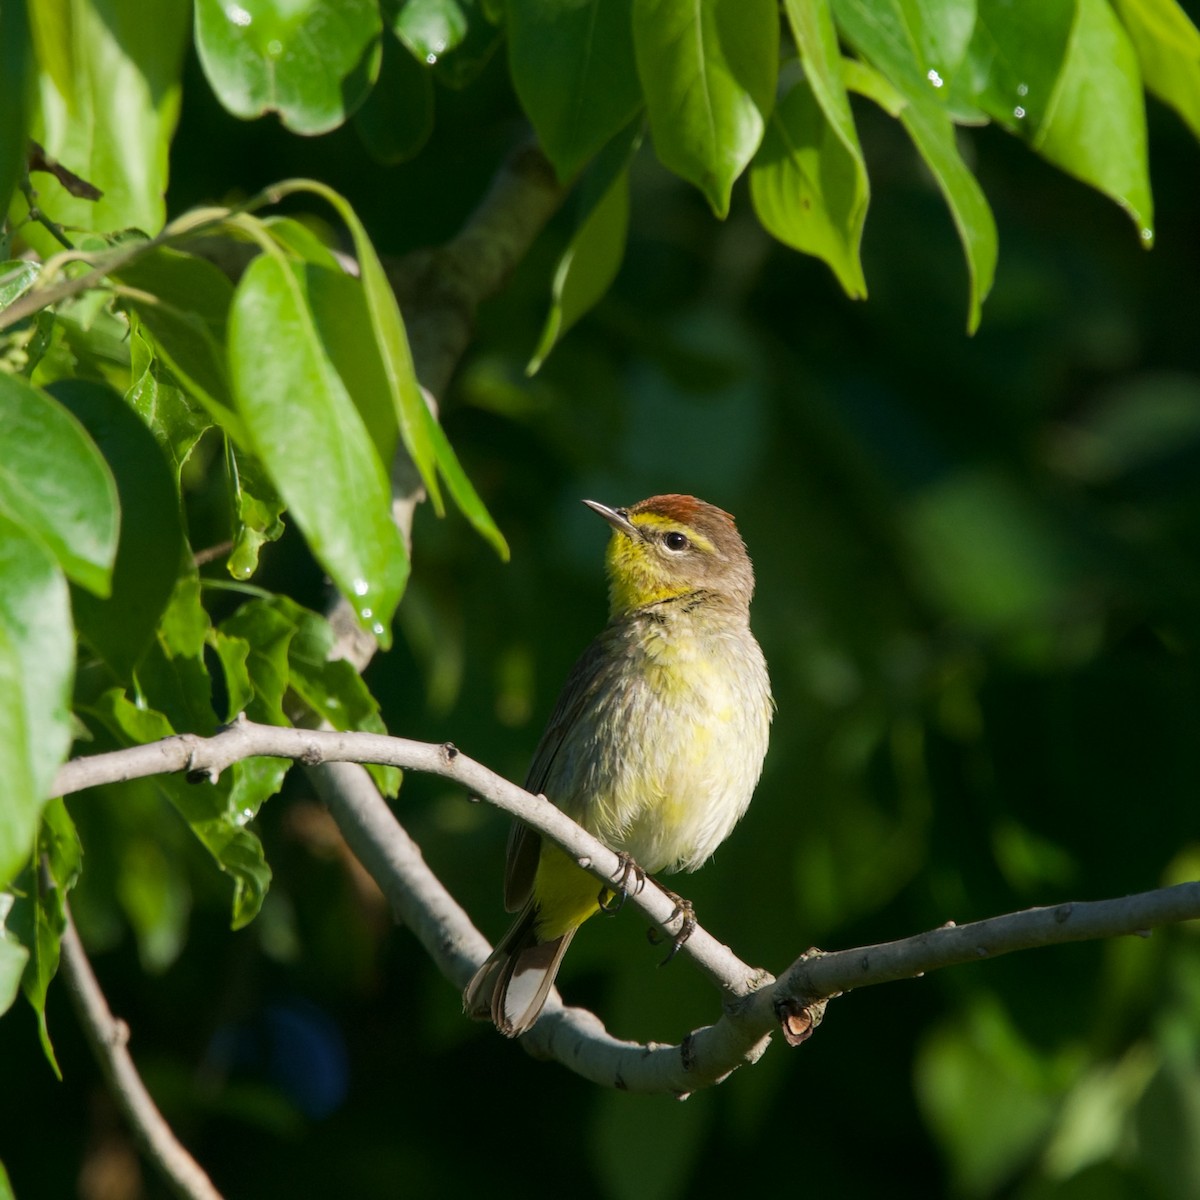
column 511, row 987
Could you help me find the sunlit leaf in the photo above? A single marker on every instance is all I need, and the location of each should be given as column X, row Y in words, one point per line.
column 311, row 61
column 54, row 482
column 39, row 915
column 809, row 190
column 1168, row 47
column 109, row 104
column 593, row 256
column 36, row 671
column 258, row 511
column 205, row 806
column 183, row 303
column 306, row 430
column 574, row 70
column 708, row 70
column 176, row 421
column 918, row 50
column 1095, row 124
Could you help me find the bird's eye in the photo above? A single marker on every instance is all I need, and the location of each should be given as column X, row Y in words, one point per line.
column 675, row 541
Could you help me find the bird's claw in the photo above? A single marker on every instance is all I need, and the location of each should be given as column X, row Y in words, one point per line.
column 612, row 900
column 683, row 909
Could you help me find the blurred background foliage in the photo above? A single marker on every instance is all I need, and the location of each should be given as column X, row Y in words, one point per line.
column 979, row 575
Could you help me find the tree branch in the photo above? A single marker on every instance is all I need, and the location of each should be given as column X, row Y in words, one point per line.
column 109, row 1038
column 754, row 1004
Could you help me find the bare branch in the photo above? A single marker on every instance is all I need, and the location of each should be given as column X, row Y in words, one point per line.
column 109, row 1038
column 754, row 1003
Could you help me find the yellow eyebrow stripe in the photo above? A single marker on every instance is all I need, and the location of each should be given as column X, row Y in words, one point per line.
column 651, row 520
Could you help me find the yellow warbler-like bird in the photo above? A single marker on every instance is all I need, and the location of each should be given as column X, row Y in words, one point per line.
column 655, row 745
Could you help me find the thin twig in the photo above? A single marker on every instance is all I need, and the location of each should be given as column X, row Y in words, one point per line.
column 754, row 1005
column 109, row 1037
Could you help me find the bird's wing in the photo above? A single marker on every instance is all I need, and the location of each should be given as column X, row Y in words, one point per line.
column 587, row 676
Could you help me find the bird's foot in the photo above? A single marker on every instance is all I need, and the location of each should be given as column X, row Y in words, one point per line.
column 683, row 909
column 630, row 879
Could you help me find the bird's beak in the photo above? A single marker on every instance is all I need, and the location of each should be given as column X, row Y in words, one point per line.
column 618, row 520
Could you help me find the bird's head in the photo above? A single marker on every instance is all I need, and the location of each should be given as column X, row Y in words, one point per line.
column 670, row 546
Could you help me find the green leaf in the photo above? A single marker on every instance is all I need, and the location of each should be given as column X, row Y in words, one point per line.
column 933, row 135
column 842, row 201
column 332, row 689
column 431, row 28
column 183, row 307
column 343, row 320
column 16, row 278
column 109, row 103
column 267, row 634
column 151, row 545
column 396, row 119
column 309, row 435
column 16, row 108
column 54, row 482
column 460, row 67
column 1168, row 48
column 6, row 1191
column 808, row 190
column 175, row 421
column 574, row 70
column 257, row 509
column 1014, row 60
column 205, row 806
column 919, row 59
column 423, row 437
column 13, row 957
column 708, row 70
column 593, row 256
column 1095, row 123
column 40, row 916
column 36, row 671
column 311, row 61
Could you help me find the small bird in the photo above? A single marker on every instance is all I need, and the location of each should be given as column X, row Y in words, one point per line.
column 655, row 745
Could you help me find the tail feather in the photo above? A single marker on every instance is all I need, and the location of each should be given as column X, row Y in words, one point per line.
column 511, row 987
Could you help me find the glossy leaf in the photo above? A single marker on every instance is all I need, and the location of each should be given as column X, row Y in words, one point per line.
column 809, row 190
column 574, row 70
column 16, row 96
column 39, row 915
column 311, row 61
column 109, row 104
column 423, row 437
column 36, row 670
column 708, row 71
column 396, row 119
column 13, row 957
column 933, row 135
column 16, row 278
column 257, row 509
column 1095, row 124
column 343, row 321
column 919, row 50
column 1168, row 48
column 587, row 267
column 266, row 635
column 431, row 28
column 1016, row 57
column 183, row 309
column 305, row 429
column 176, row 422
column 54, row 482
column 151, row 544
column 816, row 39
column 205, row 806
